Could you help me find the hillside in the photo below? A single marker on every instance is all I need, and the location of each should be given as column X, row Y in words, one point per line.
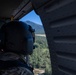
column 38, row 28
column 40, row 59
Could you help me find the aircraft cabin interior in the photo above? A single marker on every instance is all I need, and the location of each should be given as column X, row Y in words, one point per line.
column 59, row 21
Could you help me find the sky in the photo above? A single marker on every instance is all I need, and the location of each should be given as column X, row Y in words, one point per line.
column 33, row 17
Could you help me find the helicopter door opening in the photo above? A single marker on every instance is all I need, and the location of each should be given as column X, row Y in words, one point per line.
column 40, row 59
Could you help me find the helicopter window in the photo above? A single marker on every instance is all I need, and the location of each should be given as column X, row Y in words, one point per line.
column 40, row 59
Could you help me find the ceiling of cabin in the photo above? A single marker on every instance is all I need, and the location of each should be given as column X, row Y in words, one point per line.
column 16, row 8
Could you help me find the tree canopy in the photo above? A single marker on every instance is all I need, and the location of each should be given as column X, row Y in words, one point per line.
column 41, row 57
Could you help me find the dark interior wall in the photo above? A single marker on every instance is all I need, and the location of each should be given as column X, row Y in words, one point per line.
column 59, row 20
column 14, row 9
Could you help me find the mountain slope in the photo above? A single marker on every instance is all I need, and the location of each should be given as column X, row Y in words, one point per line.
column 38, row 28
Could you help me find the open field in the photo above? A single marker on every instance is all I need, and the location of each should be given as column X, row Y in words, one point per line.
column 43, row 35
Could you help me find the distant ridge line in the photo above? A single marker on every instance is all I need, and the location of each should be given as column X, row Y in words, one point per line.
column 38, row 28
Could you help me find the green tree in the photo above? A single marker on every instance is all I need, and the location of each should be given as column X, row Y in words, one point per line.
column 41, row 57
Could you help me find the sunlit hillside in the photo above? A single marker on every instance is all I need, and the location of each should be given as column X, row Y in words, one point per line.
column 38, row 28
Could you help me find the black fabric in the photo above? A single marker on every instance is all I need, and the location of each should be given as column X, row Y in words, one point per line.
column 4, row 65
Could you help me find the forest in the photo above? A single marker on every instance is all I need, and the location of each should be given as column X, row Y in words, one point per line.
column 40, row 58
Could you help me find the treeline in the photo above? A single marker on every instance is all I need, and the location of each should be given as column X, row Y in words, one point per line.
column 41, row 57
